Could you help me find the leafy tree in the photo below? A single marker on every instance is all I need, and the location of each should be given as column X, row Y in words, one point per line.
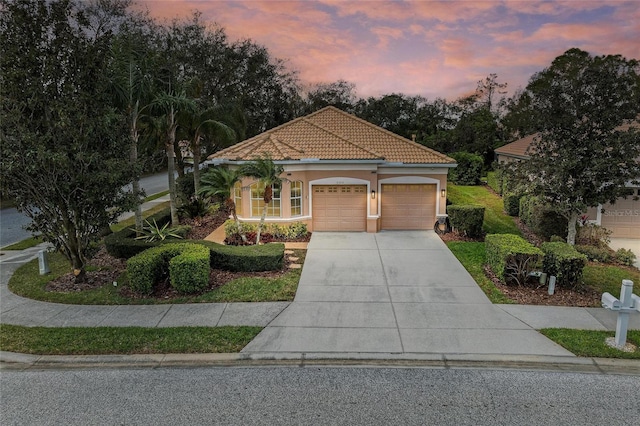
column 395, row 112
column 469, row 169
column 62, row 147
column 487, row 90
column 340, row 94
column 582, row 157
column 268, row 173
column 476, row 132
column 220, row 182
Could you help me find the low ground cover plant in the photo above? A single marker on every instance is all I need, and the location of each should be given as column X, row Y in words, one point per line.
column 296, row 231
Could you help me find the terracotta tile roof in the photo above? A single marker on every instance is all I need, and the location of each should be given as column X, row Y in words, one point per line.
column 331, row 134
column 519, row 149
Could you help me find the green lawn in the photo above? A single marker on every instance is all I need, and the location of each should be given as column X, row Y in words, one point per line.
column 131, row 222
column 591, row 343
column 28, row 282
column 496, row 221
column 472, row 255
column 608, row 278
column 124, row 340
column 24, row 244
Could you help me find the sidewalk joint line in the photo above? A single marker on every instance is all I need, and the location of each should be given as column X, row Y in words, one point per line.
column 386, row 285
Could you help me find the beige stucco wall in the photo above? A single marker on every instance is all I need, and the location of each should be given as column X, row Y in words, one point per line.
column 367, row 174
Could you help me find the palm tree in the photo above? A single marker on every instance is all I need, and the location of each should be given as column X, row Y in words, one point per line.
column 131, row 83
column 168, row 105
column 220, row 182
column 202, row 127
column 268, row 174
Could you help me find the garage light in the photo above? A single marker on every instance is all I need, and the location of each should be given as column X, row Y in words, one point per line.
column 443, row 193
column 373, row 194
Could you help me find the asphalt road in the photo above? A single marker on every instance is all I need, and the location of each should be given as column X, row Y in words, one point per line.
column 12, row 222
column 316, row 396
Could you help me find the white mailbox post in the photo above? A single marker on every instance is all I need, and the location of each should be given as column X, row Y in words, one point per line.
column 627, row 303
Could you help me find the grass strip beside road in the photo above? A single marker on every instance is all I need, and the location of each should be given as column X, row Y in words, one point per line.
column 591, row 343
column 124, row 340
column 156, row 196
column 131, row 222
column 34, row 241
column 496, row 221
column 24, row 244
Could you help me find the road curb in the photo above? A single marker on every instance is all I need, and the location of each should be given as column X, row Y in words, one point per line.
column 18, row 361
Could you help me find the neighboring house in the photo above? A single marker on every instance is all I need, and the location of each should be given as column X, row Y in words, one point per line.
column 621, row 218
column 342, row 173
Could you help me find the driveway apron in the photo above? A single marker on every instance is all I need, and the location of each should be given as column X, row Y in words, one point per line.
column 400, row 292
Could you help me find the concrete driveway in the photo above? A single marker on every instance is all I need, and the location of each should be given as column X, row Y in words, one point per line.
column 393, row 293
column 632, row 244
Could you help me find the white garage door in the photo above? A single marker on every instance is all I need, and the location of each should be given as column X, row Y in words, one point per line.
column 339, row 208
column 409, row 206
column 623, row 217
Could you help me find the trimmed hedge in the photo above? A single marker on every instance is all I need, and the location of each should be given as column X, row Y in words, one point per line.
column 468, row 170
column 123, row 245
column 511, row 257
column 187, row 265
column 267, row 257
column 512, row 204
column 494, row 181
column 564, row 262
column 466, row 219
column 594, row 254
column 541, row 218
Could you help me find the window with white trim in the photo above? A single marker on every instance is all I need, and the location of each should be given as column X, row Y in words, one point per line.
column 296, row 198
column 257, row 200
column 237, row 197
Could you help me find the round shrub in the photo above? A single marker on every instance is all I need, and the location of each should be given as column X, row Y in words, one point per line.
column 187, row 265
column 512, row 204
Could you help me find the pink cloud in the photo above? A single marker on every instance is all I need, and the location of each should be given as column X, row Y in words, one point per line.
column 441, row 48
column 386, row 34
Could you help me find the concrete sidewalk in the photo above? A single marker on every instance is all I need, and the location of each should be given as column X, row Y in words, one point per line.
column 385, row 295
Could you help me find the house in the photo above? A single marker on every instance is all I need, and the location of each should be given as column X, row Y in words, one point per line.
column 621, row 218
column 342, row 173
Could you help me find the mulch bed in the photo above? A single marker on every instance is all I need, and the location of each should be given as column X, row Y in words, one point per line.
column 115, row 267
column 534, row 293
column 109, row 268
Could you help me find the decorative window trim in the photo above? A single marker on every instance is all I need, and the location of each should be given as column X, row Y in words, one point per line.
column 296, row 201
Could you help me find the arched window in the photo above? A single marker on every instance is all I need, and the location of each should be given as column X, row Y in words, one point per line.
column 257, row 200
column 296, row 198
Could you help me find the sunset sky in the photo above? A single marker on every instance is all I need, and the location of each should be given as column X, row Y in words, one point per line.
column 428, row 48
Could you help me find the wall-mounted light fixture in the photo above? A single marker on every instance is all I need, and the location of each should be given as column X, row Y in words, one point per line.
column 373, row 194
column 443, row 193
